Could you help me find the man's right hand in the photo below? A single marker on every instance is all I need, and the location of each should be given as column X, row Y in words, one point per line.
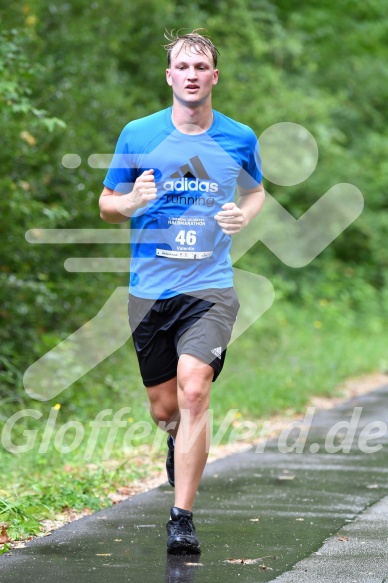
column 117, row 208
column 144, row 189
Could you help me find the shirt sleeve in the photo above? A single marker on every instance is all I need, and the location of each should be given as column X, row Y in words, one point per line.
column 122, row 171
column 251, row 169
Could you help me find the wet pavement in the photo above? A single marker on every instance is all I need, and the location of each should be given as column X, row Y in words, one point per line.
column 362, row 556
column 316, row 516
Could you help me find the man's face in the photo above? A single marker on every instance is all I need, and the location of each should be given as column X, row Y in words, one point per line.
column 191, row 75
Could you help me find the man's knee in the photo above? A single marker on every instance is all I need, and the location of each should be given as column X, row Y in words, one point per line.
column 194, row 383
column 194, row 404
column 163, row 414
column 163, row 401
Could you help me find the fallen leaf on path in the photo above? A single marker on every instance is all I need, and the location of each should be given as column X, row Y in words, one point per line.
column 125, row 490
column 4, row 538
column 246, row 562
column 115, row 497
column 343, row 538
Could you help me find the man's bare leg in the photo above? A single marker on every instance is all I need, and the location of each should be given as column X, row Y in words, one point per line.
column 164, row 407
column 182, row 403
column 190, row 392
column 191, row 451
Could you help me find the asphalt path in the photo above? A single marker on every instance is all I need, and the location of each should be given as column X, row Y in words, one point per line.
column 316, row 514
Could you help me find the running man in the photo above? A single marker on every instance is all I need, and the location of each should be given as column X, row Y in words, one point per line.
column 174, row 174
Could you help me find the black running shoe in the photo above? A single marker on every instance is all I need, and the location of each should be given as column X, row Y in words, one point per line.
column 170, row 461
column 182, row 538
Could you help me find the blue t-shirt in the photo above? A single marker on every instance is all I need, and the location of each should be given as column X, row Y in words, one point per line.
column 177, row 245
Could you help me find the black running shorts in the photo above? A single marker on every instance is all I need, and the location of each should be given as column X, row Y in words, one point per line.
column 199, row 323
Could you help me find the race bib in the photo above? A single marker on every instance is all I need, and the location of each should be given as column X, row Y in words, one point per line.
column 186, row 237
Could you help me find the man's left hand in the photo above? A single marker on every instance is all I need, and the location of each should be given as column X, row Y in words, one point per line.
column 231, row 219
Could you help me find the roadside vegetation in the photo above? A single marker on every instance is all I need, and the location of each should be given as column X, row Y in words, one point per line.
column 72, row 75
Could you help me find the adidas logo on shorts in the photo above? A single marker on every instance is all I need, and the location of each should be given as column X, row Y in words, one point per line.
column 217, row 352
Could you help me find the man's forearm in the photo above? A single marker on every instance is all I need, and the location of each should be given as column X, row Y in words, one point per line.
column 112, row 209
column 251, row 204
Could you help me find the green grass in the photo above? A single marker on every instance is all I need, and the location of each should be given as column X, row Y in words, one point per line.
column 21, row 516
column 290, row 354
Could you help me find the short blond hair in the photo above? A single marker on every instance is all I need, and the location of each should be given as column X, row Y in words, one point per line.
column 201, row 43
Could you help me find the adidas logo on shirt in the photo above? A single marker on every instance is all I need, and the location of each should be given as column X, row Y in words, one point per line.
column 217, row 352
column 192, row 176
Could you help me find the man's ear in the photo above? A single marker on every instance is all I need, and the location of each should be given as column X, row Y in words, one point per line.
column 168, row 77
column 215, row 76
